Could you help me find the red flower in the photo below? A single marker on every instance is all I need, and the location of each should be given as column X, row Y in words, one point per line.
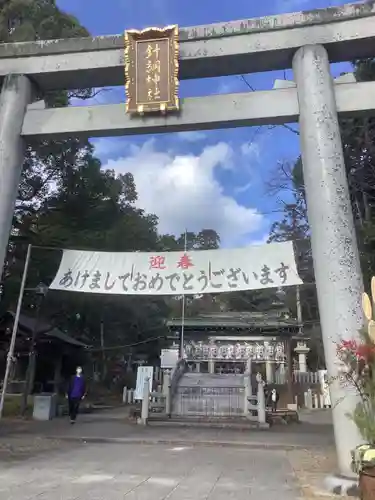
column 351, row 345
column 365, row 352
column 347, row 347
column 352, row 351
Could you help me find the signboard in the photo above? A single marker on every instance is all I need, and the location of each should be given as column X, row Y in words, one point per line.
column 142, row 373
column 151, row 70
column 178, row 273
column 168, row 358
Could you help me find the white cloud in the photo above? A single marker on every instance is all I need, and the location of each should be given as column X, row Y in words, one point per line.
column 251, row 153
column 105, row 147
column 243, row 188
column 183, row 191
column 251, row 150
column 231, row 85
column 193, row 136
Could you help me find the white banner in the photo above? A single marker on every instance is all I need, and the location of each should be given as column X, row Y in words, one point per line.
column 143, row 372
column 178, row 273
column 168, row 358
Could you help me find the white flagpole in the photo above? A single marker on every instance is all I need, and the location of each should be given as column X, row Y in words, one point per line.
column 183, row 310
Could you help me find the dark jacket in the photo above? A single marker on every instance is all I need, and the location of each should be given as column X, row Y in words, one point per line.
column 77, row 387
column 269, row 397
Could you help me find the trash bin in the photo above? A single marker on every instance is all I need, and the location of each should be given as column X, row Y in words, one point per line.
column 45, row 405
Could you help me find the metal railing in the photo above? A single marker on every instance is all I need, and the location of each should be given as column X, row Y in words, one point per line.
column 298, row 378
column 209, row 401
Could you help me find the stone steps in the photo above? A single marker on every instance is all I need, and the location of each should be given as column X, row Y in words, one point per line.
column 203, row 422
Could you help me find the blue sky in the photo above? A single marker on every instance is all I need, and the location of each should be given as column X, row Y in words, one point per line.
column 214, row 179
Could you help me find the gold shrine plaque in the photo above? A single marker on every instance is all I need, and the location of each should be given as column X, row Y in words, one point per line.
column 151, row 70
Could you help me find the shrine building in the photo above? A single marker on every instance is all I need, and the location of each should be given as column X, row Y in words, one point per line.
column 222, row 343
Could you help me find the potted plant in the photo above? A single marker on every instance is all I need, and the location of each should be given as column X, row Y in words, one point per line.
column 357, row 358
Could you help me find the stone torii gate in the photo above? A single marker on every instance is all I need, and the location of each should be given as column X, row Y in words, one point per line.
column 307, row 42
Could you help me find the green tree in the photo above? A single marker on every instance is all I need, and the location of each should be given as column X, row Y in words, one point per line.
column 28, row 20
column 358, row 138
column 358, row 135
column 293, row 226
column 206, row 239
column 66, row 200
column 25, row 20
column 90, row 208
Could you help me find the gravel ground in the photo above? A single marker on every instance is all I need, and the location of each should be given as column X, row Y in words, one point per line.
column 310, row 468
column 151, row 472
column 315, row 458
column 18, row 448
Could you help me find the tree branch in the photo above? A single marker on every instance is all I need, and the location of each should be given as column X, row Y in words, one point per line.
column 78, row 94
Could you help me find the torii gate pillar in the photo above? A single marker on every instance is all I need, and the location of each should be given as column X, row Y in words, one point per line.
column 15, row 96
column 335, row 252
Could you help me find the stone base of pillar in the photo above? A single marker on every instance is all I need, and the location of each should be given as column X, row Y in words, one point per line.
column 264, row 425
column 340, row 486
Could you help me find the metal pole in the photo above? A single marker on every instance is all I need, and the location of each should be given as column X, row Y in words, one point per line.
column 183, row 310
column 104, row 366
column 289, row 363
column 15, row 328
column 182, row 327
column 299, row 309
column 31, row 366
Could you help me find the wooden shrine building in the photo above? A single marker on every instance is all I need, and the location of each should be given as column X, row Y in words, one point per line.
column 223, row 342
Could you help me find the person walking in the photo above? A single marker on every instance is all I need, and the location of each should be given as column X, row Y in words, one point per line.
column 76, row 392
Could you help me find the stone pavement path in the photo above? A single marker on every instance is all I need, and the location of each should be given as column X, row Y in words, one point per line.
column 112, row 425
column 150, row 472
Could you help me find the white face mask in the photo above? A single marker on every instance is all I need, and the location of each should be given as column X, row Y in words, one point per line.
column 79, row 371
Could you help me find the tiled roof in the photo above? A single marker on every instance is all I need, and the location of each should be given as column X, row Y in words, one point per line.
column 236, row 320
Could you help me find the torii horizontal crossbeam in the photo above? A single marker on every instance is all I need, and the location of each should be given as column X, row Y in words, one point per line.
column 238, row 47
column 199, row 113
